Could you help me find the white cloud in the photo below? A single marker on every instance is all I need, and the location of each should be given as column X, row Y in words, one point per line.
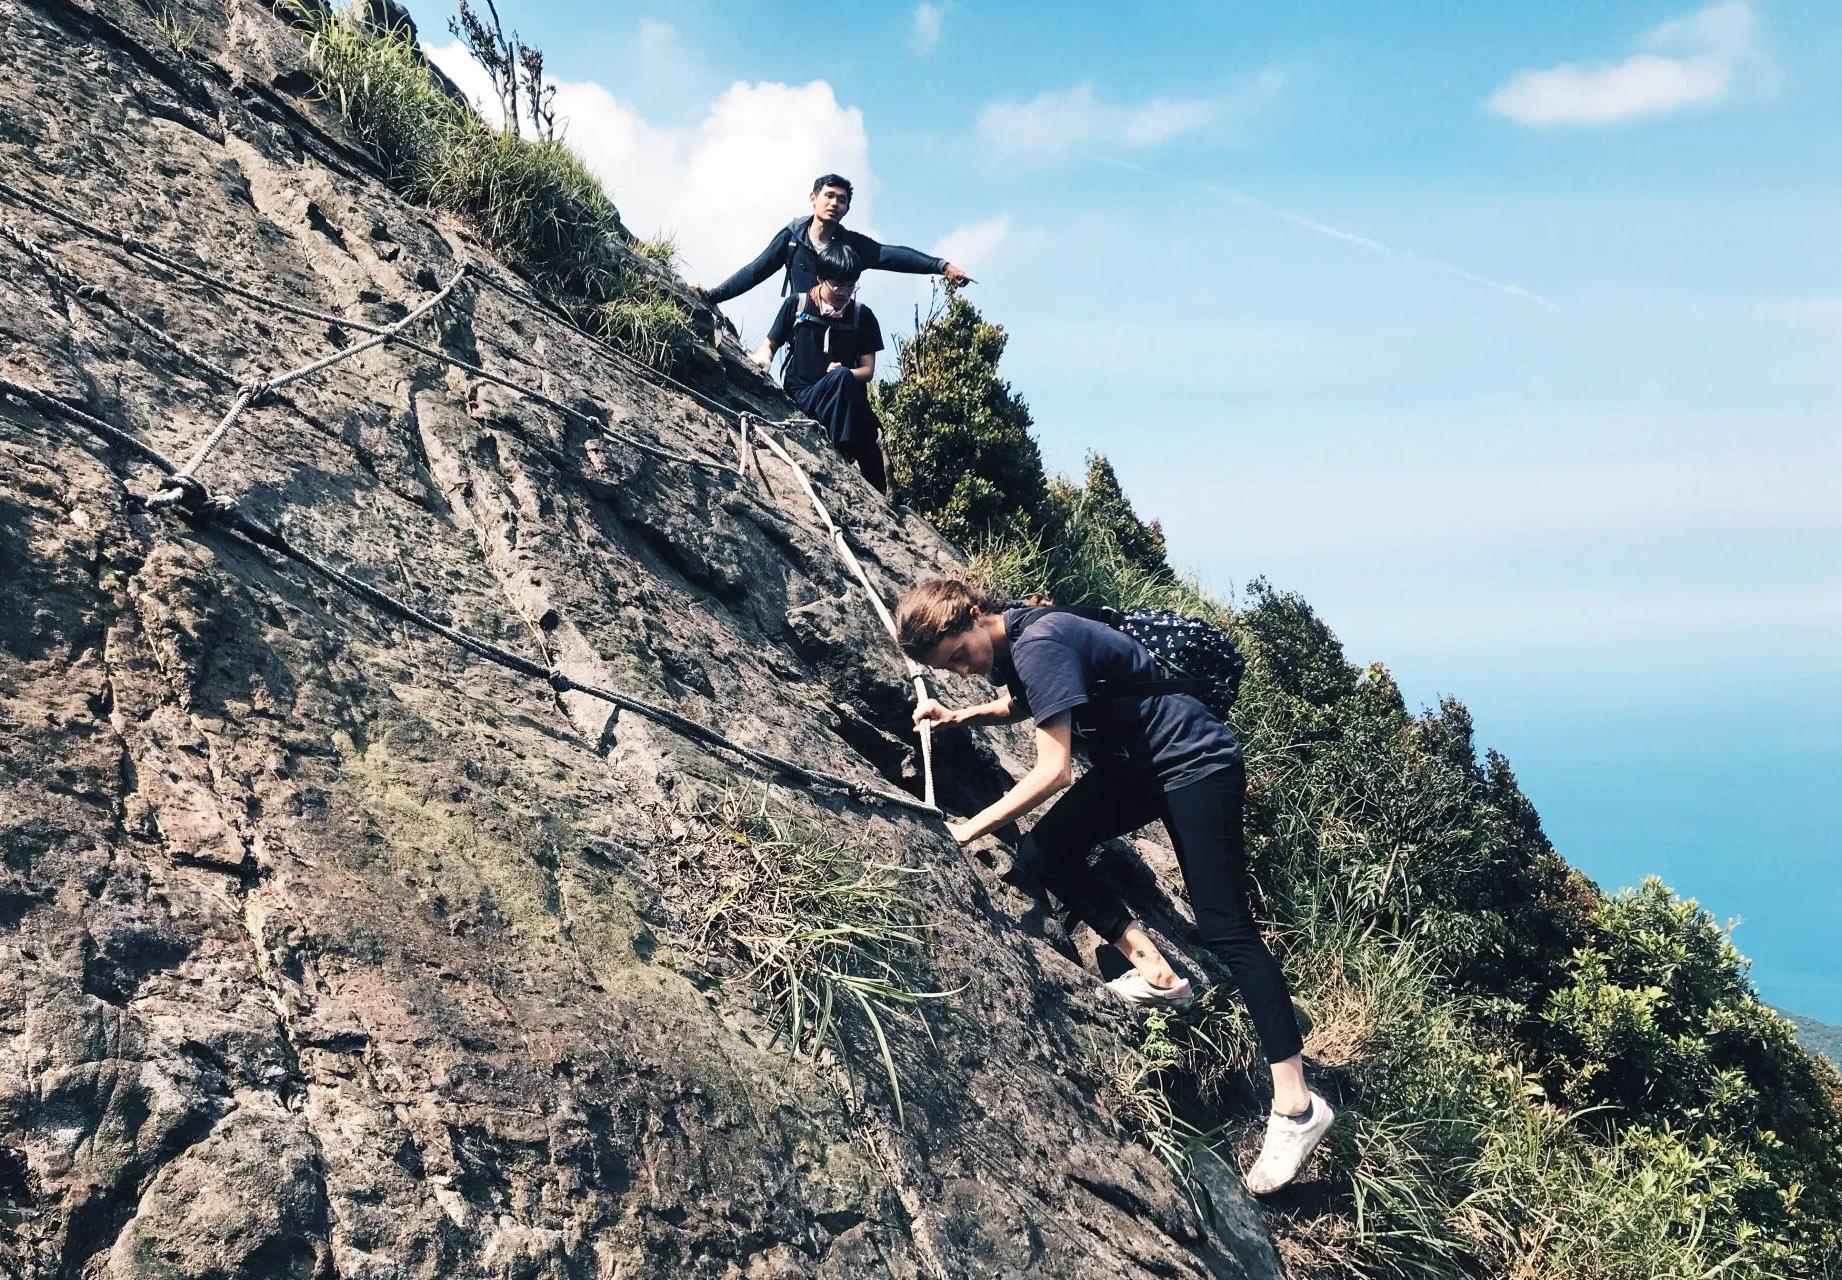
column 720, row 187
column 1054, row 123
column 1695, row 60
column 1051, row 124
column 975, row 245
column 658, row 39
column 925, row 33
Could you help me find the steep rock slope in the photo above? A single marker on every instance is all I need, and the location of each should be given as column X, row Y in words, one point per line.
column 326, row 948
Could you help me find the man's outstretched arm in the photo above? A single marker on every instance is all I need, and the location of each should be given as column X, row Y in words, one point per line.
column 897, row 257
column 770, row 260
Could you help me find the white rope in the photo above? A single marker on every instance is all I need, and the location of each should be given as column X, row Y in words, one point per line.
column 182, row 484
column 916, row 672
column 172, row 493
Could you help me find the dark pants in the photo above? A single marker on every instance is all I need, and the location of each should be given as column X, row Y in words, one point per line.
column 1204, row 821
column 840, row 402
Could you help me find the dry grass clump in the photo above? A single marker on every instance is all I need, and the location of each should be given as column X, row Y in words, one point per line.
column 830, row 934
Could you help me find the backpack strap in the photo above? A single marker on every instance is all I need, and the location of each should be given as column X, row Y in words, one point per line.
column 1150, row 688
column 1093, row 613
column 795, row 233
column 1033, row 615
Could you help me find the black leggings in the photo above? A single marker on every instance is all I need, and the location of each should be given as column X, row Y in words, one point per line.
column 1204, row 821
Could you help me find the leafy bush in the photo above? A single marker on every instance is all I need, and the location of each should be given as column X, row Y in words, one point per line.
column 1644, row 1204
column 1395, row 813
column 1660, row 1022
column 1097, row 510
column 958, row 436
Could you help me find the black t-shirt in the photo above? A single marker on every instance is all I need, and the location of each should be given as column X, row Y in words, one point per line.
column 1054, row 665
column 814, row 342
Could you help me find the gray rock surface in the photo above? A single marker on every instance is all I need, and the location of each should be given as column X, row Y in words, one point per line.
column 328, row 950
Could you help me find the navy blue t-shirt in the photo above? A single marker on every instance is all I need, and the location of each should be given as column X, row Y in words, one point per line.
column 1055, row 664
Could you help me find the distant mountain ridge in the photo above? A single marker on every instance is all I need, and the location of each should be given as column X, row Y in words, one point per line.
column 1818, row 1037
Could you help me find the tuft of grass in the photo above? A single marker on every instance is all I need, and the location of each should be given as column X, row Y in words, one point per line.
column 377, row 78
column 1140, row 1093
column 662, row 251
column 535, row 201
column 532, row 199
column 179, row 35
column 1090, row 569
column 830, row 933
column 656, row 330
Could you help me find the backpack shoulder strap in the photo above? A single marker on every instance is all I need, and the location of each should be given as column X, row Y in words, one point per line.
column 1093, row 613
column 795, row 232
column 1034, row 615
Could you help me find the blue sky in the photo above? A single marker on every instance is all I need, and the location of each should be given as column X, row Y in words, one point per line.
column 1510, row 336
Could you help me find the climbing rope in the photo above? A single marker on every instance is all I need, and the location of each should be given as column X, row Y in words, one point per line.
column 182, row 488
column 94, row 293
column 748, row 424
column 206, row 508
column 147, row 252
column 917, row 674
column 256, row 392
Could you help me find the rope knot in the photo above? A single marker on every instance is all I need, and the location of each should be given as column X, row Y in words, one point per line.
column 560, row 682
column 180, row 490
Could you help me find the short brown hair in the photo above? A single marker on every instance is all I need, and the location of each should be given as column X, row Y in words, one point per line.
column 934, row 609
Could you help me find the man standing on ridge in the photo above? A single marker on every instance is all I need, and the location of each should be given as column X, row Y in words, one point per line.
column 797, row 245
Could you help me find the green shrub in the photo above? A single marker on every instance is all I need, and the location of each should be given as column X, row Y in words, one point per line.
column 1643, row 1205
column 1660, row 1022
column 958, row 436
column 1097, row 511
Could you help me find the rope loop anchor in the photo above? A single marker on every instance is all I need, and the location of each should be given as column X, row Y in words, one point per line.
column 179, row 490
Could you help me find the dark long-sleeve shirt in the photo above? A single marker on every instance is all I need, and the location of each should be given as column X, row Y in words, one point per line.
column 793, row 249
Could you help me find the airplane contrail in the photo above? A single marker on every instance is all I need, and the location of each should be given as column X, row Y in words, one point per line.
column 1337, row 233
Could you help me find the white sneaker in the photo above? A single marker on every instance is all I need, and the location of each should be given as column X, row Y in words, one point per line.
column 1288, row 1144
column 1137, row 990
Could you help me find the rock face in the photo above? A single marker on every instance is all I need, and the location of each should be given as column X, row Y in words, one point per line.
column 330, row 950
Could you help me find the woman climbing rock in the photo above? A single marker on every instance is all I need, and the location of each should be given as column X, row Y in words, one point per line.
column 1163, row 757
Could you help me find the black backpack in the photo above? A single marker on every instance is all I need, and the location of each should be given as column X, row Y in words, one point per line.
column 1201, row 658
column 805, row 314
